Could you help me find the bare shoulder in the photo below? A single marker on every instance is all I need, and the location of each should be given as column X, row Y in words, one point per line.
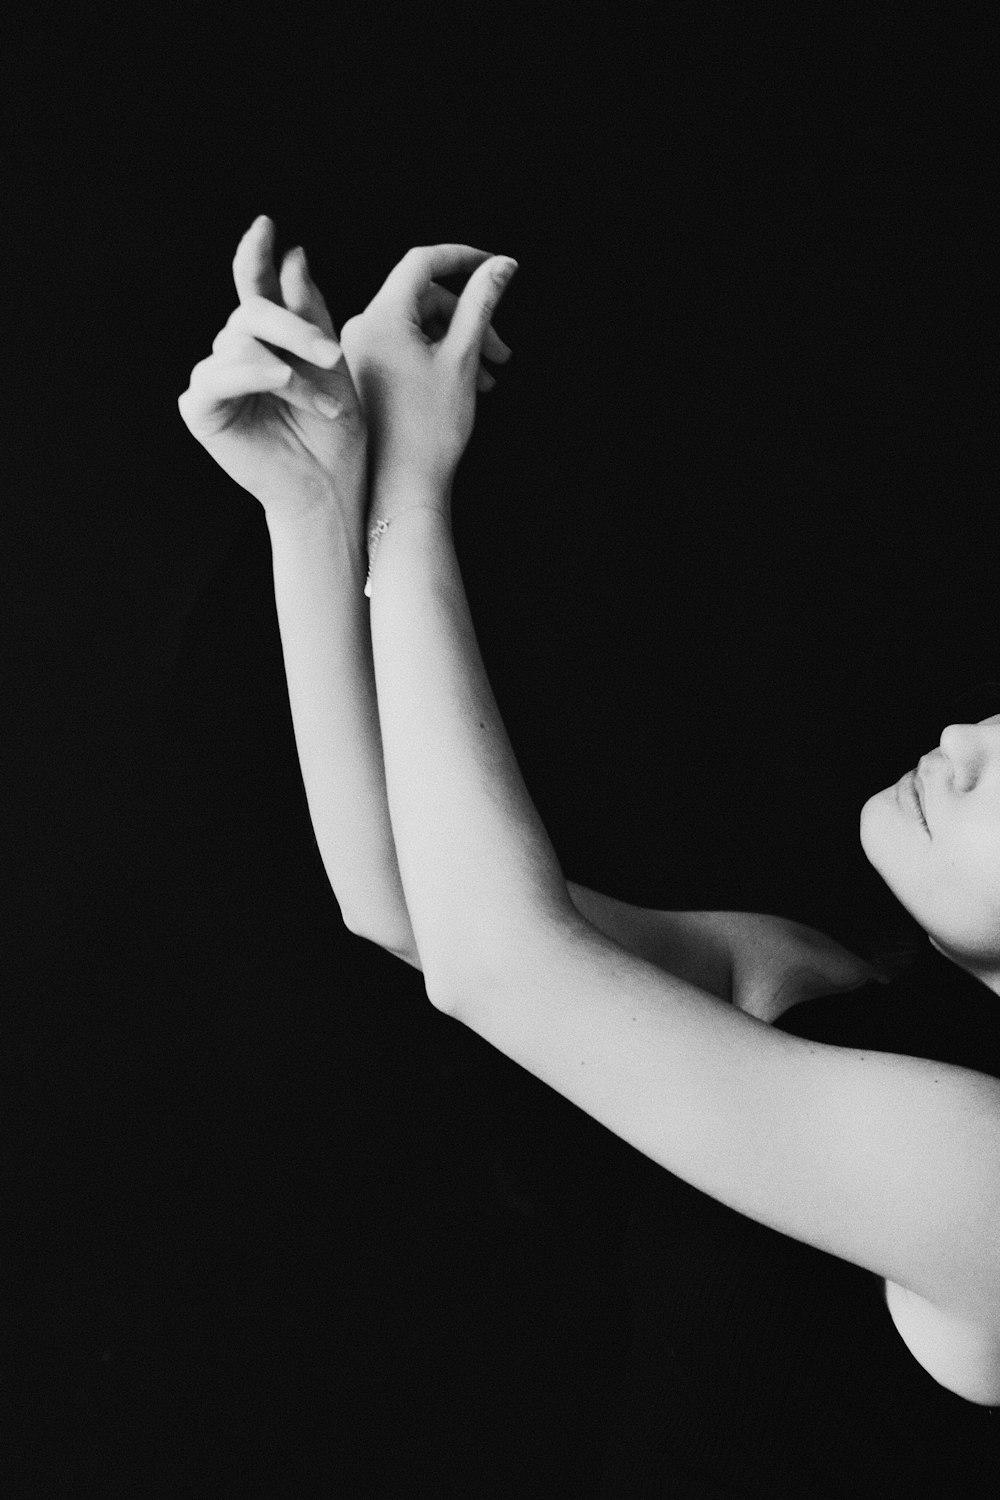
column 692, row 945
column 777, row 963
column 762, row 963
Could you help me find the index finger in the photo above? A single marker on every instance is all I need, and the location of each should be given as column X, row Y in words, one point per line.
column 253, row 263
column 422, row 264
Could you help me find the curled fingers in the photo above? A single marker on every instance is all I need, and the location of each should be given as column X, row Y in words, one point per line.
column 437, row 305
column 241, row 365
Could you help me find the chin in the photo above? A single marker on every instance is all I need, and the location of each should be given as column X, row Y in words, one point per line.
column 869, row 823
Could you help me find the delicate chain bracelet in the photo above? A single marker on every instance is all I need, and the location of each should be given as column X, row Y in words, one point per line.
column 376, row 534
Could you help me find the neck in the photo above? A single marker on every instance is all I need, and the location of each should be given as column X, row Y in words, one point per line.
column 988, row 976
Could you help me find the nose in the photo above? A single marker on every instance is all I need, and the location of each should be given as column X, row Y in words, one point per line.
column 968, row 747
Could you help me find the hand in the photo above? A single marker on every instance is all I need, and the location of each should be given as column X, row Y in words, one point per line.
column 415, row 356
column 252, row 402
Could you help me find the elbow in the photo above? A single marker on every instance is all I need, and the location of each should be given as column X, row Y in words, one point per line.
column 400, row 944
column 465, row 980
column 443, row 994
column 457, row 989
column 443, row 987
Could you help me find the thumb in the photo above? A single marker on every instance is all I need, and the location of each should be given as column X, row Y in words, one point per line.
column 475, row 308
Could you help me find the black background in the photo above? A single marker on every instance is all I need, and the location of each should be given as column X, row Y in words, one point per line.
column 273, row 1226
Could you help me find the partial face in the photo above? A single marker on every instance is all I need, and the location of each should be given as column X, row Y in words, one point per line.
column 944, row 866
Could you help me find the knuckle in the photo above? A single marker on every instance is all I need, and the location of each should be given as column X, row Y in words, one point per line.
column 197, row 380
column 233, row 343
column 353, row 333
column 248, row 308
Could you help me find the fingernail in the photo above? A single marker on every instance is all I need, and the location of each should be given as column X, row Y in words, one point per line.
column 325, row 352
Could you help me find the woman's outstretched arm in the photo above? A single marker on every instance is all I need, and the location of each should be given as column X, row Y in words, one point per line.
column 252, row 405
column 888, row 1161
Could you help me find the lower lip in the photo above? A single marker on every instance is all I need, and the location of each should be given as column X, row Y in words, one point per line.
column 906, row 787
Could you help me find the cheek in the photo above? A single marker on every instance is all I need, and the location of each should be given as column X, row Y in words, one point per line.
column 967, row 876
column 976, row 864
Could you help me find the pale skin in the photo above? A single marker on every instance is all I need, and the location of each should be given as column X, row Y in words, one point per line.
column 435, row 850
column 251, row 403
column 945, row 866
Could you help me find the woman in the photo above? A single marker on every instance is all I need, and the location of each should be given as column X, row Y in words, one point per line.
column 842, row 1167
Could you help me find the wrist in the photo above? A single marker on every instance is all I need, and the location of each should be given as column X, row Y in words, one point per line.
column 320, row 504
column 339, row 490
column 319, row 527
column 397, row 489
column 425, row 508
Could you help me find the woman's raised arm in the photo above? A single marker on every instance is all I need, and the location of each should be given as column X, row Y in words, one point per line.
column 887, row 1161
column 253, row 405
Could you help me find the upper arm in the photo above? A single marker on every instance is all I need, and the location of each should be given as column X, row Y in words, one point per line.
column 888, row 1161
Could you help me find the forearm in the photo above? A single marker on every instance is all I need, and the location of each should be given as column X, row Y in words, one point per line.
column 319, row 566
column 480, row 874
